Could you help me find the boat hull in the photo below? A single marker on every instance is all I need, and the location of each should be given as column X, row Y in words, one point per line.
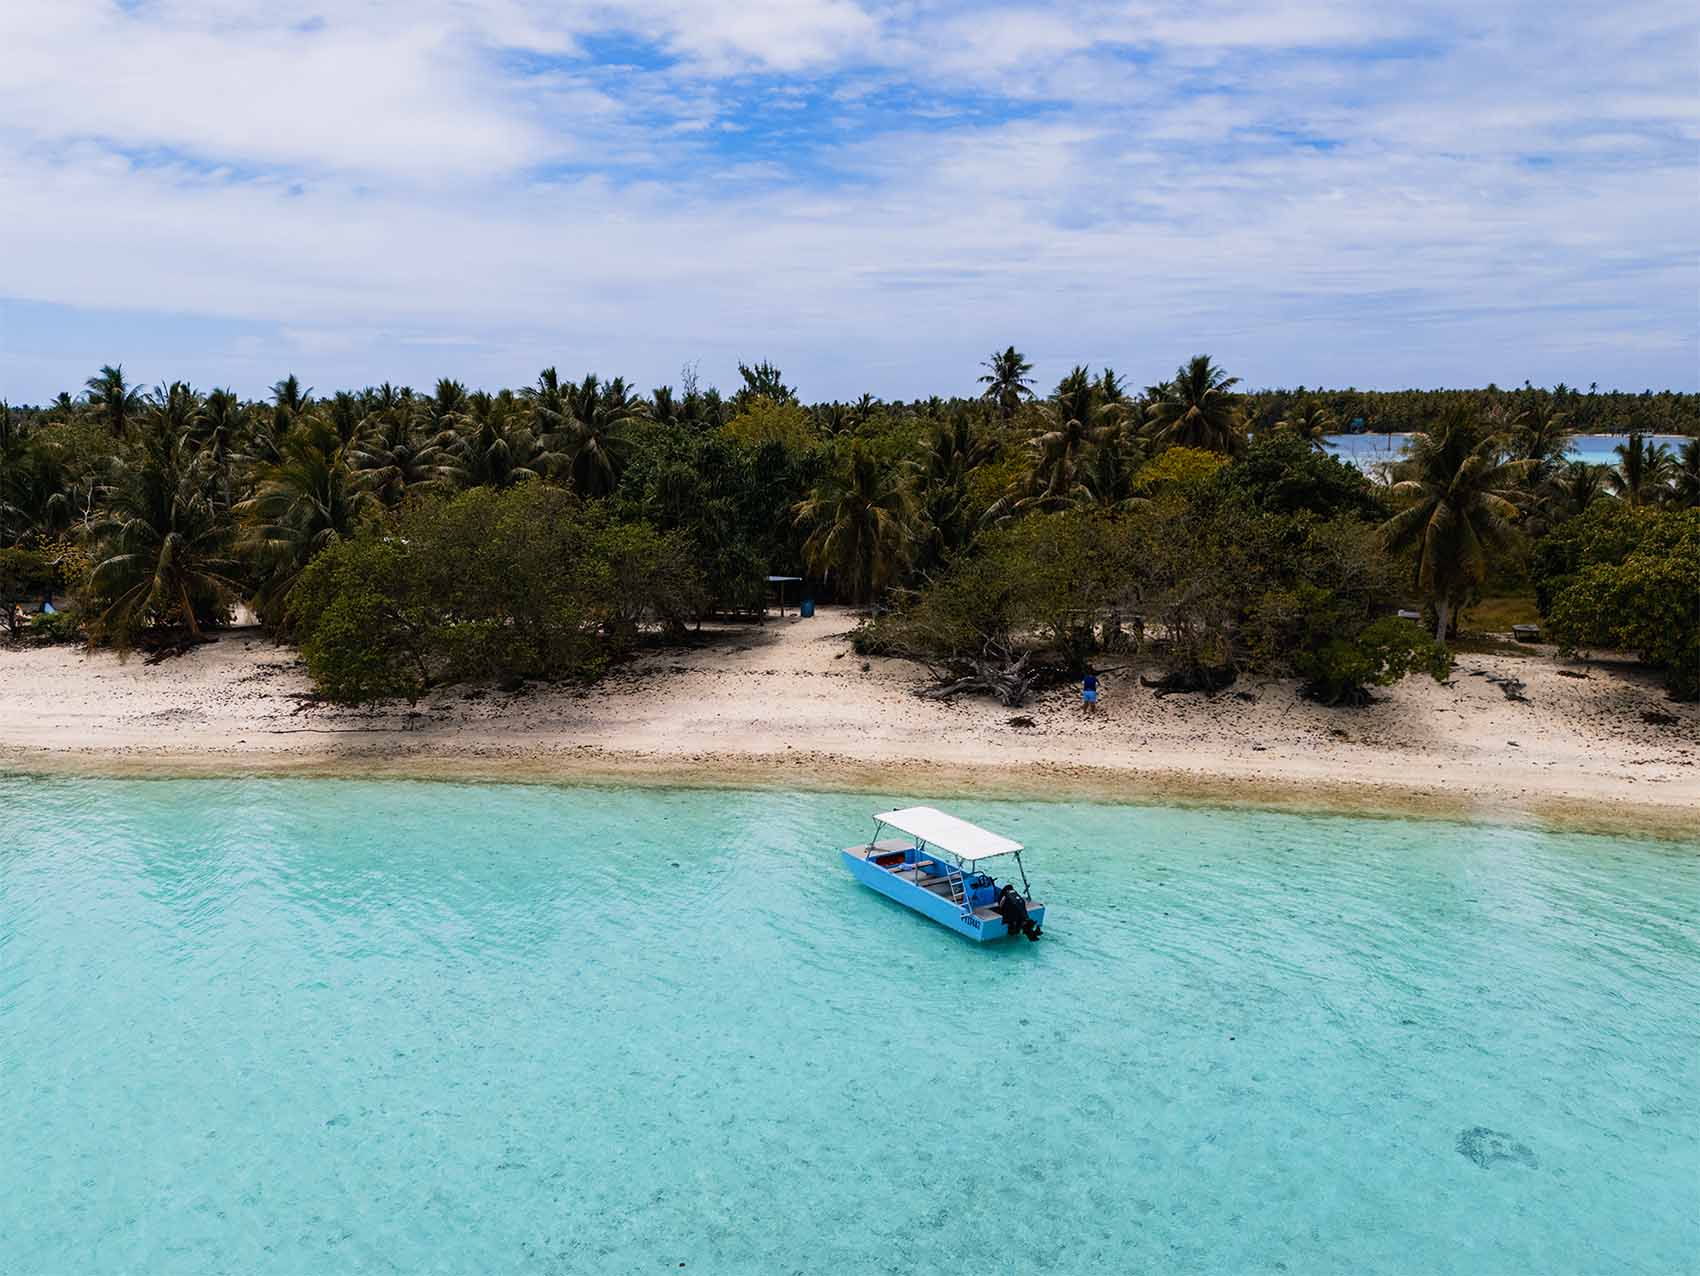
column 923, row 901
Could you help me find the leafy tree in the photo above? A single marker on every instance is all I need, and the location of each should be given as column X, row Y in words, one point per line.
column 526, row 582
column 1319, row 593
column 1459, row 503
column 1281, row 473
column 1337, row 669
column 365, row 627
column 1184, row 468
column 1198, row 409
column 1627, row 578
column 765, row 420
column 764, row 381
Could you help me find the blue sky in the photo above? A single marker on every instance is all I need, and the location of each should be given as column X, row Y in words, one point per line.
column 873, row 194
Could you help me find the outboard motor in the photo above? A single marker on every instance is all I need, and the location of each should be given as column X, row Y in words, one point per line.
column 1013, row 909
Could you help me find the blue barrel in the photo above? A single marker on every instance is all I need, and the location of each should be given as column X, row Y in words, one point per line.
column 807, row 608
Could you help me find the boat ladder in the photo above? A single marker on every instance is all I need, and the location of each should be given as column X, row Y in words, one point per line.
column 958, row 887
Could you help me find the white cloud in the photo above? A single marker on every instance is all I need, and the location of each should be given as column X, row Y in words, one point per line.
column 372, row 184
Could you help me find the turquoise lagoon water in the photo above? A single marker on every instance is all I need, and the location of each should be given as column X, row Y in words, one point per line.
column 324, row 1026
column 1596, row 449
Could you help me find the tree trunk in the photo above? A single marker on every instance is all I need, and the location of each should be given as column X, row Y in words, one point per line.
column 1442, row 610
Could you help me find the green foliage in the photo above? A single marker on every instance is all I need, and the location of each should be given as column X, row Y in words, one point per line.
column 1628, row 579
column 1458, row 502
column 527, row 582
column 765, row 420
column 1198, row 408
column 1282, row 474
column 164, row 557
column 1338, row 669
column 364, row 633
column 24, row 575
column 1184, row 468
column 1058, row 523
column 55, row 627
column 860, row 520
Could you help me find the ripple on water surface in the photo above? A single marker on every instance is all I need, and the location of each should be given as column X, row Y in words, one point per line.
column 287, row 1026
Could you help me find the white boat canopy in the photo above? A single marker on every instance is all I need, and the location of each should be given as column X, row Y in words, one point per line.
column 964, row 840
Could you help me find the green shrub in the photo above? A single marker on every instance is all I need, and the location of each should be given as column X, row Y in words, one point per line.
column 55, row 627
column 1627, row 579
column 529, row 582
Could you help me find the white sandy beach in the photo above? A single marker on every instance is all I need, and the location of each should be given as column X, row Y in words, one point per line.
column 789, row 703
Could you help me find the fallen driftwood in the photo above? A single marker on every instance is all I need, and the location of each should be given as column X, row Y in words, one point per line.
column 1180, row 681
column 1010, row 680
column 1512, row 687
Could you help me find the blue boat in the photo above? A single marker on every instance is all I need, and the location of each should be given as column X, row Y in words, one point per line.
column 938, row 868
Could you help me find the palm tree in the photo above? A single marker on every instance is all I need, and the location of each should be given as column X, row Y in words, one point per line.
column 1077, row 421
column 176, row 411
column 392, row 459
column 307, row 501
column 1310, row 421
column 224, row 420
column 1643, row 471
column 1106, row 480
column 33, row 499
column 1006, row 382
column 493, row 448
column 954, row 451
column 1686, row 492
column 64, row 407
column 1198, row 409
column 291, row 397
column 1541, row 435
column 163, row 541
column 590, row 433
column 860, row 518
column 1459, row 502
column 1573, row 489
column 114, row 402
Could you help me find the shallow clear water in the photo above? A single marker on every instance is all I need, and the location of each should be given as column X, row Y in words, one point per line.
column 315, row 1026
column 1596, row 449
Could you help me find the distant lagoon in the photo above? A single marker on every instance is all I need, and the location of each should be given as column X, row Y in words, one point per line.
column 1597, row 449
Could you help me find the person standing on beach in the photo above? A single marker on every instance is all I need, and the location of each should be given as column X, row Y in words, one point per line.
column 1089, row 692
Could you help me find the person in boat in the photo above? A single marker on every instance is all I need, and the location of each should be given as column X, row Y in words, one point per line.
column 1089, row 692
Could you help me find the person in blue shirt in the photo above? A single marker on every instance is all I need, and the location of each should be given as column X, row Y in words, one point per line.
column 1089, row 693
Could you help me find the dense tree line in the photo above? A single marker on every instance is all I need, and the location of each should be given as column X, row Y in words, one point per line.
column 406, row 538
column 1590, row 411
